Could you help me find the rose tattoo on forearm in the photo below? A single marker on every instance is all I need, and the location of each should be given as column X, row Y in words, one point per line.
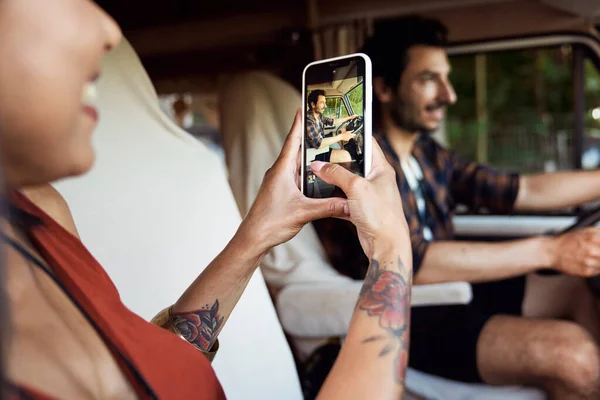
column 386, row 294
column 200, row 327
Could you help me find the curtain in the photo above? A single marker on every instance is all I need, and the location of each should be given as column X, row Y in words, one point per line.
column 342, row 39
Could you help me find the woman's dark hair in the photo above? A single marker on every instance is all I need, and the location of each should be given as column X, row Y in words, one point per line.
column 313, row 97
column 392, row 39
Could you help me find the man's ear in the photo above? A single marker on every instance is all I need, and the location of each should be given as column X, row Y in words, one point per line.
column 381, row 90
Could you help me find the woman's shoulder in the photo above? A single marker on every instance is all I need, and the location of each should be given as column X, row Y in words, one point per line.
column 49, row 200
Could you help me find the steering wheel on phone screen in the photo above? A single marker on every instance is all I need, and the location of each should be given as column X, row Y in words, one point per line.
column 355, row 126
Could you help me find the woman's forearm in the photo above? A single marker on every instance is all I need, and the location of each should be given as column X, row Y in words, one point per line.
column 201, row 312
column 375, row 352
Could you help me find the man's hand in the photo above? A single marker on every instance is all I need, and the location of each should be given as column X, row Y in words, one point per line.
column 374, row 203
column 346, row 136
column 577, row 252
column 280, row 209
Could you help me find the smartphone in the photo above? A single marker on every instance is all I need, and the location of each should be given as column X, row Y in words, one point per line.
column 336, row 119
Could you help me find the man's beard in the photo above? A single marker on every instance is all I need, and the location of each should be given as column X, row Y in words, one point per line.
column 405, row 116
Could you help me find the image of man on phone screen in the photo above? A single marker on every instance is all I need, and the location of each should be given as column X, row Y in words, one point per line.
column 315, row 130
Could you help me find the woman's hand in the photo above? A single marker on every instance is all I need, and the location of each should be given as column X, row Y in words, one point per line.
column 280, row 210
column 374, row 203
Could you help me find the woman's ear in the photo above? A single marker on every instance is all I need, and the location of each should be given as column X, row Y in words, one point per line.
column 381, row 90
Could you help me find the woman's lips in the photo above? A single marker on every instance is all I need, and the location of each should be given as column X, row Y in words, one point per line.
column 91, row 111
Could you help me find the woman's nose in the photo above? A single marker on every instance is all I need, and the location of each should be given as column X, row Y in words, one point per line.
column 112, row 30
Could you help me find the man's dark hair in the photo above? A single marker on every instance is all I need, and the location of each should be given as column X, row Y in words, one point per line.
column 388, row 46
column 313, row 97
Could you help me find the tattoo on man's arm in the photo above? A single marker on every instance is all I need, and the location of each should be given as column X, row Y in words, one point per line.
column 200, row 327
column 386, row 295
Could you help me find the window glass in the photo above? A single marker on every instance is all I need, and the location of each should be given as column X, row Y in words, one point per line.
column 514, row 109
column 355, row 97
column 591, row 149
column 335, row 107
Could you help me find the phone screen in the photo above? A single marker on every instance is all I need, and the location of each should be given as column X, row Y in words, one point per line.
column 335, row 95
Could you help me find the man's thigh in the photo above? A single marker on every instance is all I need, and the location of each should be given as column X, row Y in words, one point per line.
column 519, row 350
column 562, row 297
column 551, row 296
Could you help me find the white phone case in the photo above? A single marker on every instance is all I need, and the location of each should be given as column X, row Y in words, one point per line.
column 368, row 111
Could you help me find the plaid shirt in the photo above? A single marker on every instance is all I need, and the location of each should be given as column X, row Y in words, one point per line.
column 314, row 129
column 447, row 181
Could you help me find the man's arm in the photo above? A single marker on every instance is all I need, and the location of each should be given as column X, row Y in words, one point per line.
column 480, row 186
column 326, row 142
column 338, row 121
column 453, row 261
column 319, row 142
column 558, row 190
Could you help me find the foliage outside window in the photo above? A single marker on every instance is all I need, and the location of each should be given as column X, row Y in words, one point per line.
column 591, row 150
column 335, row 107
column 523, row 119
column 355, row 97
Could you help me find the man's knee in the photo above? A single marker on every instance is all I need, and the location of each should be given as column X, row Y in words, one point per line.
column 577, row 360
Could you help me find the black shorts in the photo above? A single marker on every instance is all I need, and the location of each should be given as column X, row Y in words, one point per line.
column 325, row 157
column 443, row 340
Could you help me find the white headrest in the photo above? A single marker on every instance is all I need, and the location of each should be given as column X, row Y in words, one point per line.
column 257, row 111
column 155, row 210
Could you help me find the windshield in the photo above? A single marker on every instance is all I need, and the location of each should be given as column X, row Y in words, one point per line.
column 335, row 107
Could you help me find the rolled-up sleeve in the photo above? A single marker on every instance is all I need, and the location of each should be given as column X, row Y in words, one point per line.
column 313, row 136
column 478, row 186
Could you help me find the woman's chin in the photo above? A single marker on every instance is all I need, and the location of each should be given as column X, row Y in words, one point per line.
column 83, row 164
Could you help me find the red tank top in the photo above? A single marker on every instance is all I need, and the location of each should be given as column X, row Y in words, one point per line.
column 157, row 363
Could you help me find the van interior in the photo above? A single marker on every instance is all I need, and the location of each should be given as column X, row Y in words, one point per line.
column 527, row 75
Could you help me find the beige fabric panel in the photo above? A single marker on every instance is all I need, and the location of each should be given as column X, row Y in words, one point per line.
column 155, row 210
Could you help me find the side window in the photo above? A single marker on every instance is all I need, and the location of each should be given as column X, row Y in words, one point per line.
column 355, row 97
column 514, row 109
column 335, row 108
column 590, row 158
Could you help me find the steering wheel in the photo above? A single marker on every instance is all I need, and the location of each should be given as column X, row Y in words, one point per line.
column 584, row 220
column 355, row 125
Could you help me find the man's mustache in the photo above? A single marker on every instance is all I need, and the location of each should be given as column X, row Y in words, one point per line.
column 437, row 106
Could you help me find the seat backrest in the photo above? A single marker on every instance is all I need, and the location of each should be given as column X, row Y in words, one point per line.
column 155, row 210
column 257, row 110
